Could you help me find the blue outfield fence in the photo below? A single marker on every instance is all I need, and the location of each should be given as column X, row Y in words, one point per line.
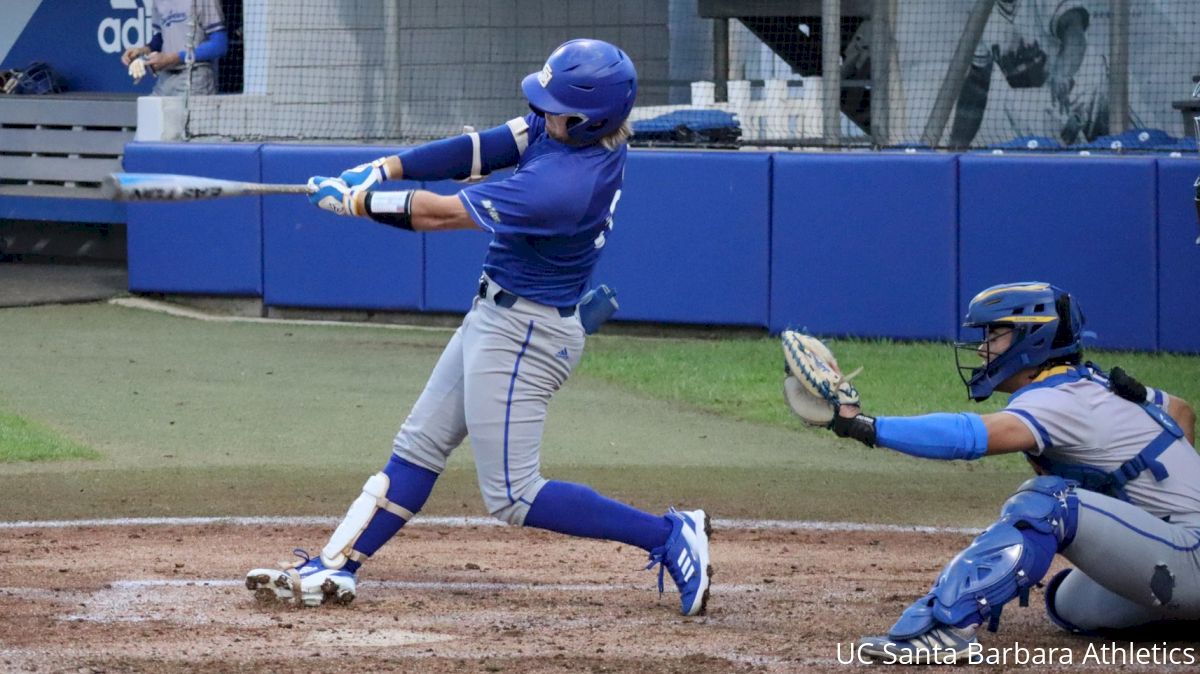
column 208, row 247
column 870, row 244
column 864, row 244
column 1087, row 225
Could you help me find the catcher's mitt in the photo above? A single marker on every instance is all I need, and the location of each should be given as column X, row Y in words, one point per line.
column 815, row 387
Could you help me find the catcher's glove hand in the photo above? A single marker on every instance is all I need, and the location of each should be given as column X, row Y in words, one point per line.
column 815, row 387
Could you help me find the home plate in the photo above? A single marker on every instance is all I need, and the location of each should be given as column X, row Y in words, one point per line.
column 388, row 637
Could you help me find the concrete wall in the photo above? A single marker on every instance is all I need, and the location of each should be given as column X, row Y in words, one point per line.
column 418, row 69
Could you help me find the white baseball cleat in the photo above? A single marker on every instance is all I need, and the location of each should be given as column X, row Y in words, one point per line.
column 685, row 556
column 304, row 583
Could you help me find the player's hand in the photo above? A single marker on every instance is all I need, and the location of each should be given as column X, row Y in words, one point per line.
column 1060, row 90
column 330, row 194
column 132, row 53
column 1024, row 67
column 159, row 61
column 365, row 176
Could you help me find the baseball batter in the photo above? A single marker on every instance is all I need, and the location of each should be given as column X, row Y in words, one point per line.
column 522, row 337
column 189, row 36
column 1041, row 47
column 1118, row 492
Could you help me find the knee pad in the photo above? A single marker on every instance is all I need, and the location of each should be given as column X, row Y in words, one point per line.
column 1001, row 563
column 1047, row 504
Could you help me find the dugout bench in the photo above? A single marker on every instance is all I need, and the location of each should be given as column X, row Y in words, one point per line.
column 54, row 150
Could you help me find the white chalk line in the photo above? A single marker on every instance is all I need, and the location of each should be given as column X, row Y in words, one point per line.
column 433, row 586
column 467, row 522
column 184, row 312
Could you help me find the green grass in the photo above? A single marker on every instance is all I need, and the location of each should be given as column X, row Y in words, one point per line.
column 191, row 417
column 741, row 378
column 22, row 440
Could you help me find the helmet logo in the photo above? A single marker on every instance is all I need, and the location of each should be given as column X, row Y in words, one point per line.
column 545, row 75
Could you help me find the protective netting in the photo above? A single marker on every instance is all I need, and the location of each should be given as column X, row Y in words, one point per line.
column 1048, row 74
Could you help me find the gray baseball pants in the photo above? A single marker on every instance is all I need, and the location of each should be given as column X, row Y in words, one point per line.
column 493, row 383
column 1132, row 568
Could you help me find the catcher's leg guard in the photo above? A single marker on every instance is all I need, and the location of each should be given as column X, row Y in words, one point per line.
column 388, row 500
column 1001, row 563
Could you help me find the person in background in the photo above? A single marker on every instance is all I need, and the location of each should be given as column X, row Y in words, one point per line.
column 189, row 38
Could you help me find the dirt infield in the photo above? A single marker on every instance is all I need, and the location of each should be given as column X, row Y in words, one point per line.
column 474, row 599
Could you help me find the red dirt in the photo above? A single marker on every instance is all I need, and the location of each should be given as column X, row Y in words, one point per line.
column 79, row 600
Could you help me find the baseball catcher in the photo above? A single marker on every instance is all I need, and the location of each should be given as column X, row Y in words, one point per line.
column 1117, row 492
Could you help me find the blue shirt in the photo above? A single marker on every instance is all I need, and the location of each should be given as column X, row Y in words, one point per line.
column 550, row 218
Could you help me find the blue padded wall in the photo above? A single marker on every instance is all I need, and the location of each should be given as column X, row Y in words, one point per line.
column 454, row 260
column 201, row 247
column 690, row 238
column 1178, row 256
column 313, row 258
column 864, row 244
column 1086, row 225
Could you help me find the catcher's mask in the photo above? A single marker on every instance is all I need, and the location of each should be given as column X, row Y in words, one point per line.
column 1047, row 328
column 591, row 81
column 37, row 78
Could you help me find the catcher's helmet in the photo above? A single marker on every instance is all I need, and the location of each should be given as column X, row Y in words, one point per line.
column 589, row 80
column 36, row 78
column 1047, row 327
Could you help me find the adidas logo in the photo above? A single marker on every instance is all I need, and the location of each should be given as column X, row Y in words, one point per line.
column 563, row 354
column 685, row 564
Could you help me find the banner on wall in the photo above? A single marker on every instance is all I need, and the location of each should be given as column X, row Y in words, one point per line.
column 1042, row 68
column 82, row 40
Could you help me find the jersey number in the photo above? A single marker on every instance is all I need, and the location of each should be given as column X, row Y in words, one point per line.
column 608, row 224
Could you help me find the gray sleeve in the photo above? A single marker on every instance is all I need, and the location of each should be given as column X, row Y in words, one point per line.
column 210, row 17
column 1055, row 418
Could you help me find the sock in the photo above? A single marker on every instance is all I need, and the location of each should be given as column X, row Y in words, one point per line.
column 578, row 510
column 409, row 486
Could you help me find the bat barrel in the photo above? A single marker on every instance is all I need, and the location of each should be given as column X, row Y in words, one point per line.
column 169, row 187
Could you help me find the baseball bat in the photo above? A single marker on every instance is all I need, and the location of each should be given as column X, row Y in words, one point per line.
column 170, row 187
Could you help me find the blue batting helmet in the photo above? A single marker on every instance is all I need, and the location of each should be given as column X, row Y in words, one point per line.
column 1047, row 327
column 589, row 80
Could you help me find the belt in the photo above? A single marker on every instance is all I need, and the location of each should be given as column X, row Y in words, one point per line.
column 505, row 299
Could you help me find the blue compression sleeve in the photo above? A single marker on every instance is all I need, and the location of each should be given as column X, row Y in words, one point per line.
column 577, row 510
column 451, row 157
column 934, row 436
column 212, row 48
column 409, row 486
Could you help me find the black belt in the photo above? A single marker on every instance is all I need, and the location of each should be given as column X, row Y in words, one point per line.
column 505, row 299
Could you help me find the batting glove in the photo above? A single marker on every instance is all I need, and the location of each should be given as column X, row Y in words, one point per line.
column 365, row 176
column 333, row 195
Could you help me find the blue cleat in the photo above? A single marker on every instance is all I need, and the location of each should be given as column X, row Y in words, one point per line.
column 685, row 556
column 307, row 582
column 941, row 645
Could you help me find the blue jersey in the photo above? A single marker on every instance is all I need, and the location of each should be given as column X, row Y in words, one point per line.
column 550, row 218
